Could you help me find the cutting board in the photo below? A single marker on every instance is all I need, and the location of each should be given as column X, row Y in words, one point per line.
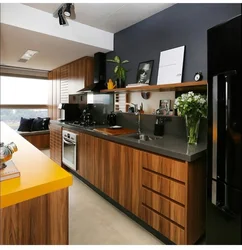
column 116, row 131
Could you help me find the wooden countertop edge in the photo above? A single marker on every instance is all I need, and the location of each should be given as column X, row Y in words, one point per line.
column 36, row 191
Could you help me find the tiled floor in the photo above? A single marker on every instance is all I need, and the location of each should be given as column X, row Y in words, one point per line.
column 94, row 221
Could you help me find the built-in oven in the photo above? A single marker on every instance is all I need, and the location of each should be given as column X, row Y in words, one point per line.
column 69, row 148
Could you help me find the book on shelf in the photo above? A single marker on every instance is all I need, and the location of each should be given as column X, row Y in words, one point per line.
column 131, row 85
column 9, row 172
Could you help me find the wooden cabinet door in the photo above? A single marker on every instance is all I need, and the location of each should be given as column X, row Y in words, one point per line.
column 118, row 173
column 130, row 179
column 89, row 71
column 56, row 143
column 107, row 167
column 86, row 157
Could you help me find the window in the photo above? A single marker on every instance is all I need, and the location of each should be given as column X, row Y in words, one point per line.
column 23, row 97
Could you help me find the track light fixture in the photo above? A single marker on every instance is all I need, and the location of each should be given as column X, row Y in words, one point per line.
column 64, row 10
column 67, row 11
column 62, row 20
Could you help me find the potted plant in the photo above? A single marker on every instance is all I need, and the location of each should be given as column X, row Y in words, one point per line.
column 119, row 70
column 193, row 107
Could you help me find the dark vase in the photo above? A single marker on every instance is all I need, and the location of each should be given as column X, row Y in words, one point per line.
column 120, row 83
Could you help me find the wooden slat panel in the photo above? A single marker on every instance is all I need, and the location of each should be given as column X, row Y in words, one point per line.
column 166, row 166
column 164, row 206
column 167, row 228
column 56, row 143
column 162, row 185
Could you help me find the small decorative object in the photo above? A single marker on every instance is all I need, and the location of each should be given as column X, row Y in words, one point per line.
column 6, row 153
column 193, row 107
column 198, row 76
column 165, row 107
column 144, row 72
column 119, row 71
column 145, row 95
column 110, row 84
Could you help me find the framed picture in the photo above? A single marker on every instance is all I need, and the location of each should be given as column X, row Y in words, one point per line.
column 171, row 66
column 144, row 72
column 165, row 107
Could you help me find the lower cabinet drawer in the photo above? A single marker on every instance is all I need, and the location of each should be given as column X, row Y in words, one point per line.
column 164, row 226
column 165, row 186
column 164, row 206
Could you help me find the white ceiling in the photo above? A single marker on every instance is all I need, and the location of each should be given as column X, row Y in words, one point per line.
column 56, row 51
column 53, row 51
column 111, row 17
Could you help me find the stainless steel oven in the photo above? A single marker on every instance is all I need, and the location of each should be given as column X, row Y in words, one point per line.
column 69, row 147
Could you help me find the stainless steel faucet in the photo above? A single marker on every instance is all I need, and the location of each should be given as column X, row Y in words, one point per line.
column 137, row 113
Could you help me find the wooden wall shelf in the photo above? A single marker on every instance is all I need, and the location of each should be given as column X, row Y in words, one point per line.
column 201, row 85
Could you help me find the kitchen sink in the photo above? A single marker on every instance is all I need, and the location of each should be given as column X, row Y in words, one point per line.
column 143, row 137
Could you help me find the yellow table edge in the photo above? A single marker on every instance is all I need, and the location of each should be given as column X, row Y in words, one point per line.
column 27, row 194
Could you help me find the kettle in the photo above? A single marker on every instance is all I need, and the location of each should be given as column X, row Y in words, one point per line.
column 110, row 84
column 111, row 119
column 6, row 153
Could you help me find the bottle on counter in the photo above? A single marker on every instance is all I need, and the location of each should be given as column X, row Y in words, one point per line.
column 159, row 126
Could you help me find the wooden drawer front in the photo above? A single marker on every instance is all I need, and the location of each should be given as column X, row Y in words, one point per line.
column 164, row 206
column 162, row 185
column 165, row 166
column 164, row 226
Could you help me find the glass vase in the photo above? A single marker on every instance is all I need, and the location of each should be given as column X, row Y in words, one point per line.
column 192, row 127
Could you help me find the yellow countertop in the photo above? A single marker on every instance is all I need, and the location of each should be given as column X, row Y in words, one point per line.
column 39, row 174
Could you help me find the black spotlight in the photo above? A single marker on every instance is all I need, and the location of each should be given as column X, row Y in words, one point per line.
column 67, row 11
column 61, row 18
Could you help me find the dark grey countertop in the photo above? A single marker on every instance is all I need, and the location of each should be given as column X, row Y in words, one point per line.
column 167, row 145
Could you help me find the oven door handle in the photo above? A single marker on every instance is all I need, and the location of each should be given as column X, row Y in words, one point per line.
column 69, row 143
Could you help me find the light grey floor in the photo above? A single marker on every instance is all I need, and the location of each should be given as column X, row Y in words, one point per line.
column 94, row 221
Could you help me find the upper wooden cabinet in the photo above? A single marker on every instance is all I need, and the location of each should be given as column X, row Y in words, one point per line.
column 81, row 74
column 74, row 76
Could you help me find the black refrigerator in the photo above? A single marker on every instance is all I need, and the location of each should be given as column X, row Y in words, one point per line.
column 224, row 165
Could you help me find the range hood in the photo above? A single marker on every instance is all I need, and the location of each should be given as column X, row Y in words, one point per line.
column 99, row 74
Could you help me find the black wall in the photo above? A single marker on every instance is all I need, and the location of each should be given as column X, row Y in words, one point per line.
column 181, row 24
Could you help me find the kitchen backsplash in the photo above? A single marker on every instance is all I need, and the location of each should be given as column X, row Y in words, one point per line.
column 174, row 125
column 100, row 106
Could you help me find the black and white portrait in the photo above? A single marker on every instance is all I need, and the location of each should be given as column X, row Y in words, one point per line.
column 144, row 72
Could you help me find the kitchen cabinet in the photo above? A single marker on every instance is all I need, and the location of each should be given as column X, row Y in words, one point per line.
column 56, row 143
column 173, row 197
column 113, row 168
column 85, row 160
column 68, row 79
column 167, row 194
column 81, row 74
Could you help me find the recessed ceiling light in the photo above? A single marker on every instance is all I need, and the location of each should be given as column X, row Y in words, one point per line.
column 28, row 54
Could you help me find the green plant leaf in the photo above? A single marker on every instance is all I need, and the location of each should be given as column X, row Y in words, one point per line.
column 117, row 59
column 125, row 61
column 111, row 60
column 123, row 74
column 116, row 69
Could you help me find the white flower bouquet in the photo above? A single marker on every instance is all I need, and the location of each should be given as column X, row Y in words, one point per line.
column 193, row 107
